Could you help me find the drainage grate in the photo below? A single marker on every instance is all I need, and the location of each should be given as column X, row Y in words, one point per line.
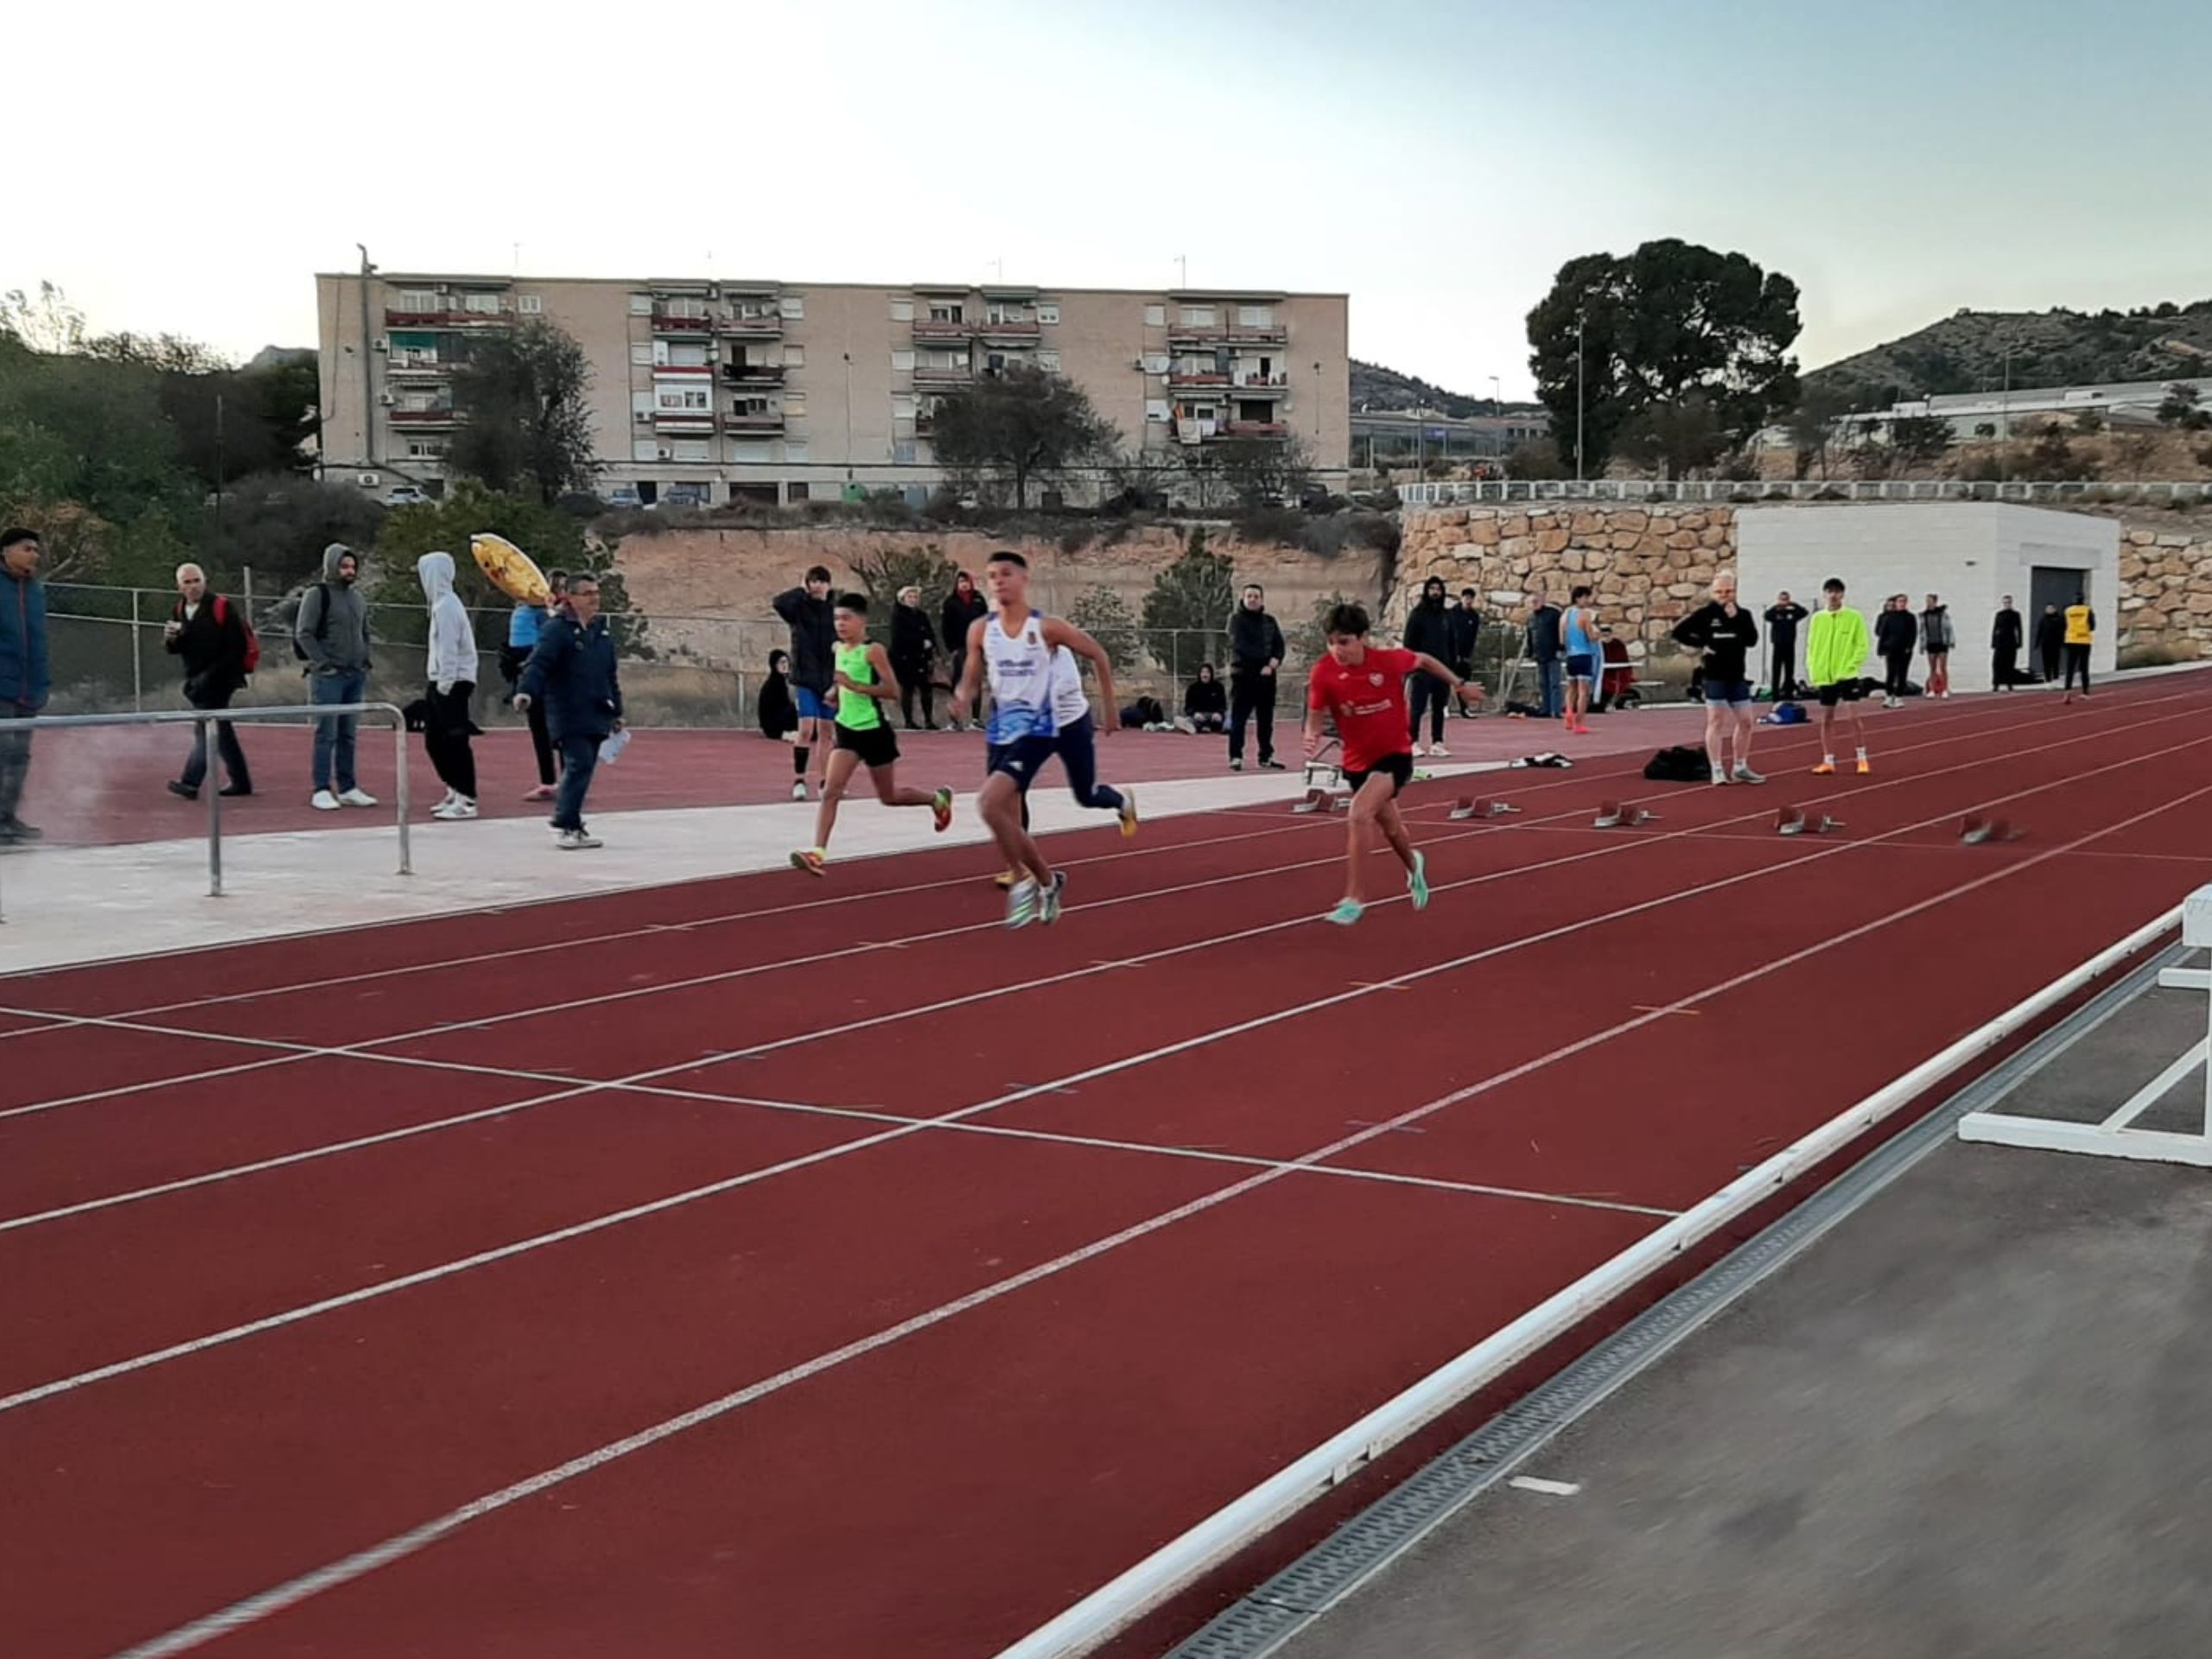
column 1261, row 1622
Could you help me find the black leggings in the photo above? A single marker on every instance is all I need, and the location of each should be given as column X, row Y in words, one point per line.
column 1900, row 672
column 2077, row 662
column 1429, row 693
column 914, row 686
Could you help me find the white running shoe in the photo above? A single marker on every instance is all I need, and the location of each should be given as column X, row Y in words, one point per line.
column 324, row 801
column 1440, row 751
column 452, row 810
column 576, row 841
column 357, row 798
column 798, row 789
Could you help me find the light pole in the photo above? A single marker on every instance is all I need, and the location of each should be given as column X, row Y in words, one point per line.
column 1497, row 403
column 1578, row 400
column 849, row 417
column 368, row 379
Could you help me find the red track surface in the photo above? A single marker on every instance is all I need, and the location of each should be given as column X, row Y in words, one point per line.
column 824, row 1272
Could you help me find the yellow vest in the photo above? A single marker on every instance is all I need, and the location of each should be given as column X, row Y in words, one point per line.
column 2077, row 624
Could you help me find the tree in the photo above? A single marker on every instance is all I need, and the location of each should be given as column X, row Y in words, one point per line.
column 1812, row 423
column 1675, row 438
column 1670, row 320
column 1535, row 457
column 2180, row 408
column 1024, row 424
column 882, row 572
column 1192, row 597
column 44, row 323
column 279, row 523
column 1308, row 639
column 1263, row 472
column 1106, row 617
column 1919, row 439
column 525, row 423
column 2051, row 458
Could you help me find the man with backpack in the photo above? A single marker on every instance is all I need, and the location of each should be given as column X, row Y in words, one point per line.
column 216, row 645
column 331, row 636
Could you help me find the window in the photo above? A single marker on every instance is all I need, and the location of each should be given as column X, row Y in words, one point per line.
column 691, row 450
column 1155, row 316
column 750, row 449
column 902, row 362
column 530, row 305
column 641, row 404
column 794, row 357
column 792, row 306
column 905, row 405
column 1155, row 362
column 795, row 492
column 644, row 449
column 678, row 400
column 995, row 364
column 419, row 299
column 687, row 354
column 902, row 453
column 1006, row 311
column 749, row 406
column 641, row 305
column 1048, row 313
column 902, row 310
column 1256, row 316
column 947, row 311
column 1155, row 408
column 480, row 305
column 795, row 403
column 641, row 352
column 1198, row 316
column 794, row 449
column 426, row 448
column 1049, row 361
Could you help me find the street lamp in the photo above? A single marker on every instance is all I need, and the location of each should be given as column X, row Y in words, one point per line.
column 1578, row 400
column 849, row 417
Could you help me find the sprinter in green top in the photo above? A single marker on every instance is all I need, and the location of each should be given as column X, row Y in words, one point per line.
column 863, row 684
column 1835, row 652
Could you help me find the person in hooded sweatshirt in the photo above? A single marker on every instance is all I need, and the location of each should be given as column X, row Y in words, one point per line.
column 1428, row 634
column 1938, row 638
column 331, row 635
column 448, row 729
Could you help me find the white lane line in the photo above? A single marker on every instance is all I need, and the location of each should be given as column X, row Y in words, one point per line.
column 1547, row 1488
column 1549, row 781
column 363, row 1562
column 1359, row 1137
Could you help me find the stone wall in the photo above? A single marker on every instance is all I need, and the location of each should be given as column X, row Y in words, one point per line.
column 2166, row 588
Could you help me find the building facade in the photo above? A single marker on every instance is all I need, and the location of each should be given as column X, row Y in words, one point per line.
column 788, row 392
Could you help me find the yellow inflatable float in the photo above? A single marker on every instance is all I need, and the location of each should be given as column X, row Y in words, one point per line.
column 509, row 568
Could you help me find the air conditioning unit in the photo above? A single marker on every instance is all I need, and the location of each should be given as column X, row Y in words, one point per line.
column 378, row 345
column 367, row 480
column 386, row 399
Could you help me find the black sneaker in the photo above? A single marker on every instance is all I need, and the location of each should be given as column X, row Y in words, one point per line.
column 1271, row 765
column 14, row 828
column 183, row 791
column 236, row 790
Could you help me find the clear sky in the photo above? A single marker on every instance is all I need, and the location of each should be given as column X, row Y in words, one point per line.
column 186, row 168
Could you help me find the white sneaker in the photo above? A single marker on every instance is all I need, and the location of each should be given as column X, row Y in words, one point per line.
column 798, row 789
column 324, row 801
column 357, row 798
column 1421, row 751
column 459, row 807
column 577, row 840
column 1440, row 751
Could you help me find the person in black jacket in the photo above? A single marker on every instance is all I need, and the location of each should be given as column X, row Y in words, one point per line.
column 1428, row 631
column 207, row 633
column 1937, row 638
column 1255, row 654
column 1724, row 635
column 2005, row 647
column 2050, row 639
column 572, row 672
column 1205, row 703
column 913, row 657
column 1466, row 620
column 1783, row 618
column 1897, row 632
column 1545, row 650
column 964, row 608
column 777, row 714
column 813, row 622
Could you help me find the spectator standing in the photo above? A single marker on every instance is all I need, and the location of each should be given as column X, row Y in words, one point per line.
column 1577, row 628
column 24, row 678
column 913, row 657
column 813, row 622
column 1544, row 645
column 2005, row 647
column 1255, row 653
column 332, row 636
column 964, row 608
column 524, row 624
column 208, row 634
column 1724, row 635
column 573, row 673
column 1205, row 703
column 1466, row 620
column 2081, row 633
column 1896, row 633
column 1937, row 639
column 2050, row 639
column 1428, row 634
column 1783, row 618
column 448, row 729
column 779, row 714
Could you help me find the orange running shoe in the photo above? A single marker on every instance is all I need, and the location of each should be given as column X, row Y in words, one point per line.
column 812, row 862
column 1826, row 769
column 1866, row 769
column 941, row 806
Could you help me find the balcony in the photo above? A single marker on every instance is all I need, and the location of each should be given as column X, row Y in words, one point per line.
column 751, row 327
column 941, row 374
column 1252, row 430
column 753, row 374
column 422, row 418
column 666, row 323
column 939, row 328
column 1178, row 377
column 1260, row 385
column 393, row 319
column 1220, row 335
column 402, row 368
column 1026, row 332
column 771, row 421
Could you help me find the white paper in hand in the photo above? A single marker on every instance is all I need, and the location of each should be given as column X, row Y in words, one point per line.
column 611, row 750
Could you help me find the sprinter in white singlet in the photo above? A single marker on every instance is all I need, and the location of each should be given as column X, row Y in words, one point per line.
column 1018, row 649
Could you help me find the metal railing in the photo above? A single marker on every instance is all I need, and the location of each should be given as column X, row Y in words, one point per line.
column 1465, row 492
column 207, row 720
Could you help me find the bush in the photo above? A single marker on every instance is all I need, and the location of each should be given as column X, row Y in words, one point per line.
column 1106, row 617
column 1267, row 521
column 1539, row 458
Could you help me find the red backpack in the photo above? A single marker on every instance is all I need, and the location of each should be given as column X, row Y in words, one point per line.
column 252, row 639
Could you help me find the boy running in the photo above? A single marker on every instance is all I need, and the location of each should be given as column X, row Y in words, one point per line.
column 863, row 683
column 1037, row 711
column 1835, row 649
column 1364, row 687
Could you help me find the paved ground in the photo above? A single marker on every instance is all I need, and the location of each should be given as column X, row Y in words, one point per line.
column 1975, row 1419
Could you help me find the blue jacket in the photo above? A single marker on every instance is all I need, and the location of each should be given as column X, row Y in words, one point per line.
column 23, row 679
column 572, row 674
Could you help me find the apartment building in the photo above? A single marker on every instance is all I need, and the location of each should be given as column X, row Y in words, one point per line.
column 788, row 392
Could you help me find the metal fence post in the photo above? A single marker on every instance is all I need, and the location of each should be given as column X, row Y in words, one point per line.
column 399, row 771
column 206, row 728
column 137, row 669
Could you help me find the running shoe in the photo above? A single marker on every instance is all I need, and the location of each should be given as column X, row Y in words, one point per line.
column 1048, row 902
column 798, row 789
column 1439, row 752
column 1128, row 815
column 1826, row 769
column 814, row 862
column 1417, row 881
column 1865, row 768
column 943, row 807
column 542, row 792
column 1021, row 903
column 1744, row 774
column 1347, row 911
column 1718, row 778
column 577, row 840
column 356, row 797
column 1005, row 878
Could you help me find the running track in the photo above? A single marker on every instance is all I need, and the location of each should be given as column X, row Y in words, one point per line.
column 765, row 1268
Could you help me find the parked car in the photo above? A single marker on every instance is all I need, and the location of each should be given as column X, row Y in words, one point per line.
column 683, row 495
column 582, row 503
column 404, row 495
column 623, row 498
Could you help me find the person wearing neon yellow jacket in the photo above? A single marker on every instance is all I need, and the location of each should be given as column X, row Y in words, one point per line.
column 1835, row 651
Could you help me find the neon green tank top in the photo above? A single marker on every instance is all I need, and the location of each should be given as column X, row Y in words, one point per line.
column 856, row 713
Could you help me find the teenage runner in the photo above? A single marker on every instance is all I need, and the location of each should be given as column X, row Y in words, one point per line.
column 1835, row 649
column 1578, row 630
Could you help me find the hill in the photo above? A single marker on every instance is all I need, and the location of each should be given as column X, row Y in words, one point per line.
column 1373, row 387
column 1965, row 352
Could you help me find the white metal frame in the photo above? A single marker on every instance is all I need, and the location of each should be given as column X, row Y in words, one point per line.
column 1111, row 1608
column 2117, row 1135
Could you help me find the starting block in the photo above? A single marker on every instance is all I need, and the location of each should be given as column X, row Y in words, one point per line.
column 1621, row 815
column 1321, row 800
column 1476, row 806
column 1976, row 830
column 1792, row 821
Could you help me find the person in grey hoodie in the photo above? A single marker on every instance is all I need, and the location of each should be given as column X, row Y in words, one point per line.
column 331, row 636
column 447, row 727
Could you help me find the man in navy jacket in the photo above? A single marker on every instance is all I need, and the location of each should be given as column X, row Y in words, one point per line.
column 23, row 677
column 572, row 672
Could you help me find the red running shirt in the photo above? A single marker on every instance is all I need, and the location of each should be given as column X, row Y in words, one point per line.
column 1369, row 702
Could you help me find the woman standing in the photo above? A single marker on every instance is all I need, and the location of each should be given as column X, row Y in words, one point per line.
column 913, row 657
column 1936, row 639
column 964, row 608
